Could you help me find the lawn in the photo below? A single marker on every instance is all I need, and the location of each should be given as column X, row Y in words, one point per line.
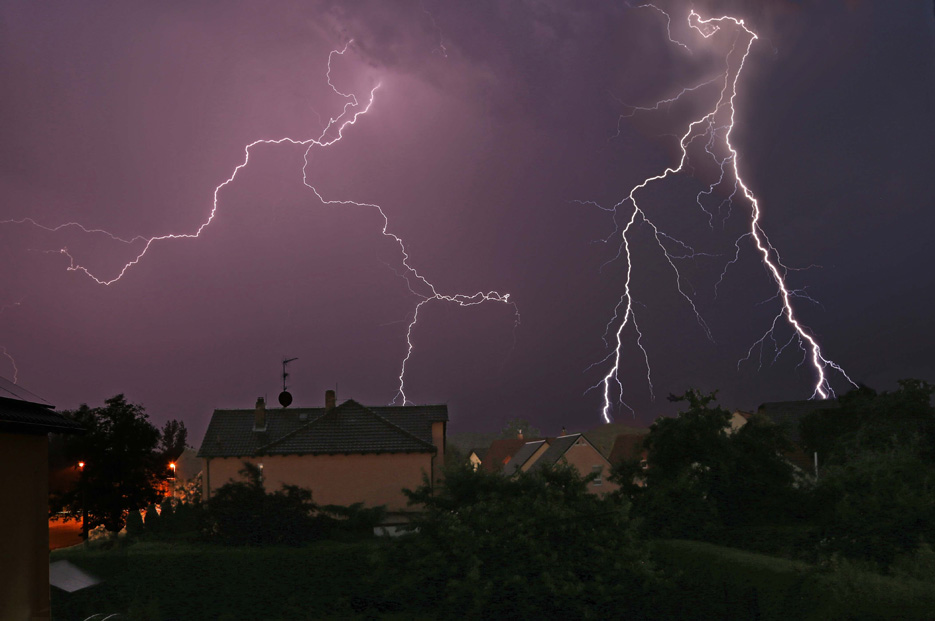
column 161, row 581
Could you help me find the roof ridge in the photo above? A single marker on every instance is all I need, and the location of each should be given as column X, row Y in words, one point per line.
column 398, row 428
column 333, row 412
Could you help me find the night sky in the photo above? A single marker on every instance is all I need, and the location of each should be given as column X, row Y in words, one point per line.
column 495, row 125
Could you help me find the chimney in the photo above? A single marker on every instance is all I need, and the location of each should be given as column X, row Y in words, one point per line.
column 564, row 432
column 259, row 415
column 329, row 399
column 519, row 434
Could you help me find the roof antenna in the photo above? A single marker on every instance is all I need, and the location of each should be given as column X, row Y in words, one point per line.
column 284, row 397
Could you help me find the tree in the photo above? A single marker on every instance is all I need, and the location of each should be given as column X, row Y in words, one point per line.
column 867, row 420
column 701, row 478
column 122, row 465
column 878, row 504
column 172, row 440
column 490, row 546
column 875, row 498
column 516, row 426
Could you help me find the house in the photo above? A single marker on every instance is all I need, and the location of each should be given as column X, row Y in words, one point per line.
column 25, row 422
column 476, row 457
column 629, row 446
column 526, row 456
column 574, row 450
column 789, row 414
column 738, row 419
column 500, row 452
column 345, row 453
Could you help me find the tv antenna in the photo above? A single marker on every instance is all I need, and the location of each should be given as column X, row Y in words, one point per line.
column 284, row 397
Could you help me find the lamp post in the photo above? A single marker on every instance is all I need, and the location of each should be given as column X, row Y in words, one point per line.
column 84, row 503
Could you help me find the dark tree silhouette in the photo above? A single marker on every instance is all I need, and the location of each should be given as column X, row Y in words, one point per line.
column 123, row 465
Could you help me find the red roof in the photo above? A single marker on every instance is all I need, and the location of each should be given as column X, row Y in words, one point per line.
column 500, row 452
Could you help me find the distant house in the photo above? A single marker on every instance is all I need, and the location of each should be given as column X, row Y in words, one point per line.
column 574, row 450
column 25, row 423
column 738, row 419
column 526, row 456
column 500, row 452
column 627, row 447
column 476, row 457
column 345, row 453
column 789, row 414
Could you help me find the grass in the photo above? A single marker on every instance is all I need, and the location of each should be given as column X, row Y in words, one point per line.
column 721, row 582
column 161, row 581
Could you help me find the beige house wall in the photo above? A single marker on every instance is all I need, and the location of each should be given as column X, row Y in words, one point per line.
column 24, row 524
column 372, row 478
column 584, row 457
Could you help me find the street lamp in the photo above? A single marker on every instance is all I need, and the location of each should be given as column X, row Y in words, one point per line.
column 172, row 467
column 84, row 503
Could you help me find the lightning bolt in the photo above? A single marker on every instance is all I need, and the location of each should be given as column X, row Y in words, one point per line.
column 716, row 126
column 332, row 132
column 7, row 354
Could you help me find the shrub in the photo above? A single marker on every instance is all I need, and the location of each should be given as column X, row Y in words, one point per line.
column 494, row 547
column 243, row 513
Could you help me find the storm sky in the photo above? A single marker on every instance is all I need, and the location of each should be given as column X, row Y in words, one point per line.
column 498, row 133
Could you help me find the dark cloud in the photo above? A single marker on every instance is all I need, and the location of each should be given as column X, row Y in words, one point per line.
column 492, row 118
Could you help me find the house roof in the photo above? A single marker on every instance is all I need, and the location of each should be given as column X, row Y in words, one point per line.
column 790, row 413
column 500, row 452
column 20, row 416
column 521, row 456
column 480, row 451
column 557, row 449
column 627, row 446
column 347, row 428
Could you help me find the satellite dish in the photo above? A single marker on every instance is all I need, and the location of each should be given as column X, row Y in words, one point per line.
column 285, row 398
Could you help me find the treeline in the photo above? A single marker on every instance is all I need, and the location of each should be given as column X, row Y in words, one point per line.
column 873, row 501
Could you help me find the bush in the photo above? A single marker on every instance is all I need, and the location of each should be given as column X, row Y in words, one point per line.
column 494, row 547
column 878, row 505
column 152, row 520
column 723, row 583
column 134, row 524
column 242, row 513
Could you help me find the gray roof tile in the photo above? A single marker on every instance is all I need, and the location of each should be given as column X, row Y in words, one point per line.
column 521, row 456
column 348, row 428
column 20, row 416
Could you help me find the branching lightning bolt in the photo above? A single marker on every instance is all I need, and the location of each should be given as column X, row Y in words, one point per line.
column 715, row 127
column 332, row 132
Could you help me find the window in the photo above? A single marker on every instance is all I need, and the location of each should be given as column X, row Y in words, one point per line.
column 597, row 480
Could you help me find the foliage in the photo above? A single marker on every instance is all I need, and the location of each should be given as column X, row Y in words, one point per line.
column 172, row 440
column 496, row 547
column 516, row 426
column 867, row 420
column 353, row 519
column 716, row 582
column 197, row 580
column 701, row 478
column 152, row 520
column 878, row 505
column 135, row 525
column 243, row 513
column 875, row 498
column 123, row 464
